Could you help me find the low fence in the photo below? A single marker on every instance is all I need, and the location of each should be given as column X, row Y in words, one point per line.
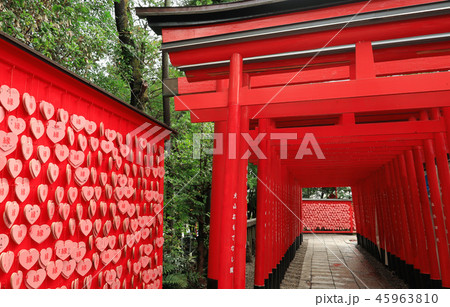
column 328, row 216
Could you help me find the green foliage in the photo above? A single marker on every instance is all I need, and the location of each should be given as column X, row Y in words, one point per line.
column 81, row 35
column 71, row 32
column 179, row 268
column 188, row 185
column 323, row 193
column 252, row 182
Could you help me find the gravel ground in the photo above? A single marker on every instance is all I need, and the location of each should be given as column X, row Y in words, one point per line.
column 250, row 274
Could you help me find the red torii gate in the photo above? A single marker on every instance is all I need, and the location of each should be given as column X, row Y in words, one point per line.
column 369, row 79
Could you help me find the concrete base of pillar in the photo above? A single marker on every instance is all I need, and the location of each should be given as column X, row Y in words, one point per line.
column 212, row 283
column 276, row 276
column 436, row 283
column 425, row 281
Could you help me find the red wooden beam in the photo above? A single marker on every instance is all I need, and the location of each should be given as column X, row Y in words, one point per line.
column 388, row 61
column 336, row 164
column 277, row 78
column 368, row 141
column 382, row 103
column 340, row 131
column 376, row 138
column 430, row 90
column 209, row 115
column 307, row 76
column 413, row 84
column 186, row 87
column 357, row 150
column 388, row 144
column 252, row 48
column 176, row 34
column 386, row 68
column 364, row 67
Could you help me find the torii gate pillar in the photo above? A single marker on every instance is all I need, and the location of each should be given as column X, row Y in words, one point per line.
column 232, row 233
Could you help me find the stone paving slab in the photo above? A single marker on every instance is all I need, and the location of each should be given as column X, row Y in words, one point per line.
column 334, row 261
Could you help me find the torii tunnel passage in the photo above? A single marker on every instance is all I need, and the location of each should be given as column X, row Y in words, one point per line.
column 369, row 79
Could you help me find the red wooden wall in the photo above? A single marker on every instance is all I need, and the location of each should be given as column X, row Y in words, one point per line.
column 328, row 215
column 81, row 191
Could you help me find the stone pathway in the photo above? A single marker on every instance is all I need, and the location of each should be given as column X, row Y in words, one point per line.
column 316, row 266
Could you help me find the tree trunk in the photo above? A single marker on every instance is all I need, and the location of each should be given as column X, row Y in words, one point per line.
column 201, row 245
column 165, row 75
column 129, row 53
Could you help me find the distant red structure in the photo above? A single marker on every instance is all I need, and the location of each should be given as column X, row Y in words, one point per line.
column 327, row 216
column 367, row 80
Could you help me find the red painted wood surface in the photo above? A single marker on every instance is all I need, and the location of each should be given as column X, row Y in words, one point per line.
column 310, row 41
column 380, row 115
column 330, row 216
column 125, row 243
column 355, row 93
column 175, row 34
column 216, row 209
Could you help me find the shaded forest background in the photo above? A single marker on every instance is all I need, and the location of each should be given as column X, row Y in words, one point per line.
column 104, row 42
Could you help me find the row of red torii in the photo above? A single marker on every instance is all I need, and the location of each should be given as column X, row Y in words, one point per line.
column 369, row 81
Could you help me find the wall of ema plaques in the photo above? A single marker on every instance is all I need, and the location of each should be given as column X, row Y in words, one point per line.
column 81, row 185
